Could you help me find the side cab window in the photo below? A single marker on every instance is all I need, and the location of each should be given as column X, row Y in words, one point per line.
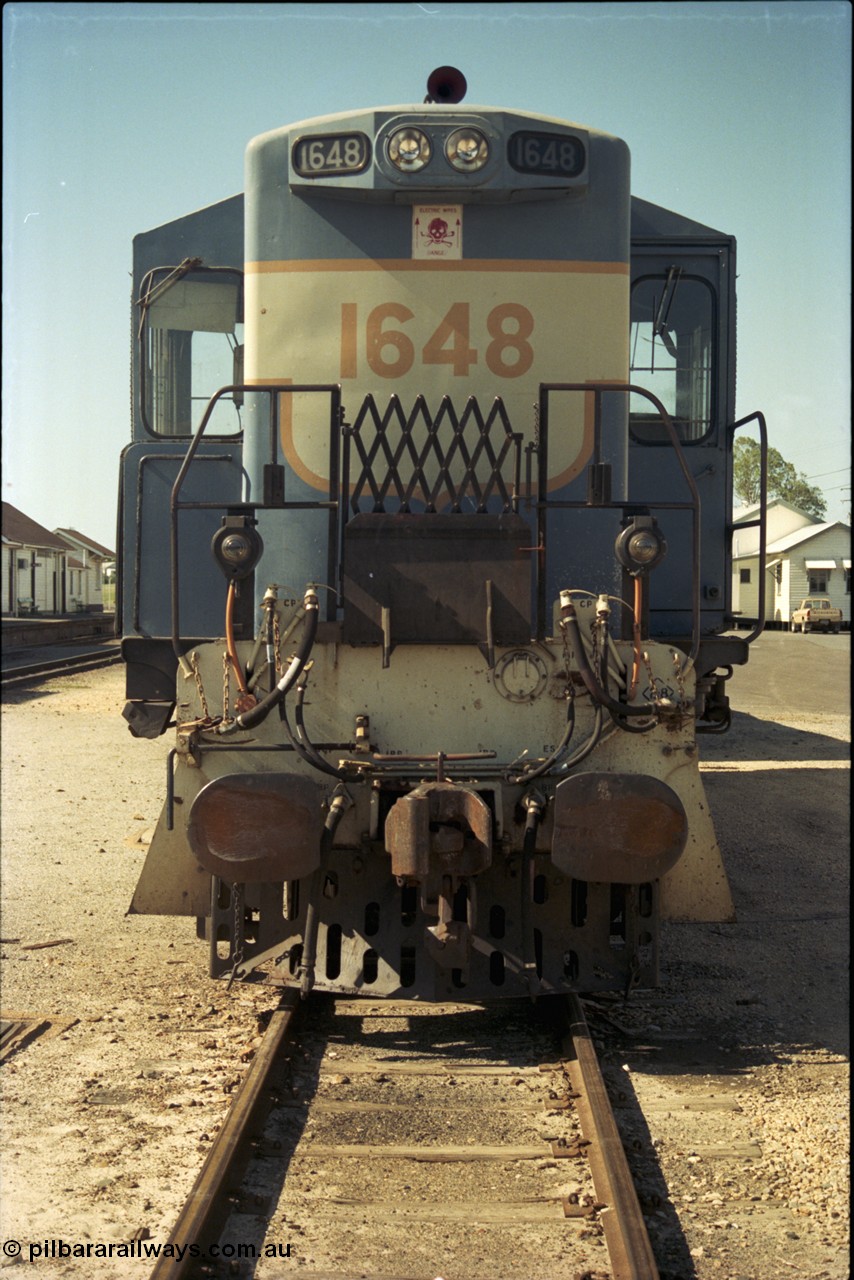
column 673, row 354
column 190, row 345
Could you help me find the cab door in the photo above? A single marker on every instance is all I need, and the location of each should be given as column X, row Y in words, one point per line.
column 681, row 349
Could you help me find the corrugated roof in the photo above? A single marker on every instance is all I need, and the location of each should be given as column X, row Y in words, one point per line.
column 21, row 528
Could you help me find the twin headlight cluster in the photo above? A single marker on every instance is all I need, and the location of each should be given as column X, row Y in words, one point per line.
column 410, row 149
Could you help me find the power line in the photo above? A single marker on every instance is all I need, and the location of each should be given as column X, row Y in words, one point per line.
column 828, row 473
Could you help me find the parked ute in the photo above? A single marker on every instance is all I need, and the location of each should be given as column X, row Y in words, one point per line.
column 816, row 614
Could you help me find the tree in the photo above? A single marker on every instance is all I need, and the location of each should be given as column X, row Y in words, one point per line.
column 783, row 480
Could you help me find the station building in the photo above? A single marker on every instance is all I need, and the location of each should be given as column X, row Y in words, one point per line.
column 802, row 558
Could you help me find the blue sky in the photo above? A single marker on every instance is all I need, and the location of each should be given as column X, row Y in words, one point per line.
column 118, row 117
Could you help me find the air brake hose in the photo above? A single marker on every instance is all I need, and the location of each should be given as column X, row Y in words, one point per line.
column 637, row 614
column 230, row 647
column 545, row 765
column 257, row 714
column 569, row 621
column 620, row 721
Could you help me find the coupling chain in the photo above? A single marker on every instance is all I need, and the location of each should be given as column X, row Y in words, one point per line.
column 654, row 683
column 568, row 692
column 226, row 677
column 205, row 720
column 197, row 675
column 678, row 668
column 277, row 644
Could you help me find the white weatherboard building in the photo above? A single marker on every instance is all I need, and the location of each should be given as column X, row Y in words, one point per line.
column 801, row 559
column 49, row 572
column 86, row 564
column 34, row 566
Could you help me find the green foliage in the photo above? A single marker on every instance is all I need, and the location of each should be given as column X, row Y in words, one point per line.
column 783, row 480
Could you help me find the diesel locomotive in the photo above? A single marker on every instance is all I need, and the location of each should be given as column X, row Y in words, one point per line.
column 425, row 556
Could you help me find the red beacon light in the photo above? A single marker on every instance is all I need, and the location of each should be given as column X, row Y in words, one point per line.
column 446, row 84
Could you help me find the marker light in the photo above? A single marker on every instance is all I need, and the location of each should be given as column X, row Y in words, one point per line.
column 643, row 547
column 236, row 547
column 409, row 150
column 640, row 546
column 467, row 150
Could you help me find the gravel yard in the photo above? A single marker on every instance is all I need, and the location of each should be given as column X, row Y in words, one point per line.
column 108, row 1114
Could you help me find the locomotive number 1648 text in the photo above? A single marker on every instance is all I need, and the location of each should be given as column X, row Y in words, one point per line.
column 390, row 350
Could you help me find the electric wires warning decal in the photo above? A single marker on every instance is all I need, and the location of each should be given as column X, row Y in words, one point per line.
column 437, row 231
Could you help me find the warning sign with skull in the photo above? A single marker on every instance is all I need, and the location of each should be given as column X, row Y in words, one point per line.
column 437, row 231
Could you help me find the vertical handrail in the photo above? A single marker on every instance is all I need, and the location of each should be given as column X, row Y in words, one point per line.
column 759, row 419
column 336, row 511
column 598, row 389
column 175, row 505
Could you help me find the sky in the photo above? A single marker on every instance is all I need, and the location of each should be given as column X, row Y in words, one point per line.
column 119, row 117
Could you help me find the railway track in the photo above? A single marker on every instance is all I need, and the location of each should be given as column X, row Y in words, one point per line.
column 394, row 1141
column 63, row 665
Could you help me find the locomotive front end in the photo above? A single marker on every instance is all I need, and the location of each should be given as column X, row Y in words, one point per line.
column 434, row 749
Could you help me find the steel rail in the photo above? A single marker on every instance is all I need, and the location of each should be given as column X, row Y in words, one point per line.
column 203, row 1215
column 62, row 666
column 626, row 1235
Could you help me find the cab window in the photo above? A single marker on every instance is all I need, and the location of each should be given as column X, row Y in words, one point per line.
column 672, row 353
column 191, row 344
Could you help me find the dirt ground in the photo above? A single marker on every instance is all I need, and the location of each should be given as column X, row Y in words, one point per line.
column 745, row 1047
column 107, row 1116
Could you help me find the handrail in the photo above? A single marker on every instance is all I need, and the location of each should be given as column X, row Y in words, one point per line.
column 762, row 521
column 175, row 505
column 598, row 389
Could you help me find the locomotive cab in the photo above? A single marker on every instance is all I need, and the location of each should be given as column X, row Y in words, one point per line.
column 448, row 560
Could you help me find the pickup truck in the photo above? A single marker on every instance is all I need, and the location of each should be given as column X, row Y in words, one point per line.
column 816, row 614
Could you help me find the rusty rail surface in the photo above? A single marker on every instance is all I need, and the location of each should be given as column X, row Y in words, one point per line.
column 626, row 1235
column 201, row 1219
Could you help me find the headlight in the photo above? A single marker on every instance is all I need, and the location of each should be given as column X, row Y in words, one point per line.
column 409, row 150
column 467, row 150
